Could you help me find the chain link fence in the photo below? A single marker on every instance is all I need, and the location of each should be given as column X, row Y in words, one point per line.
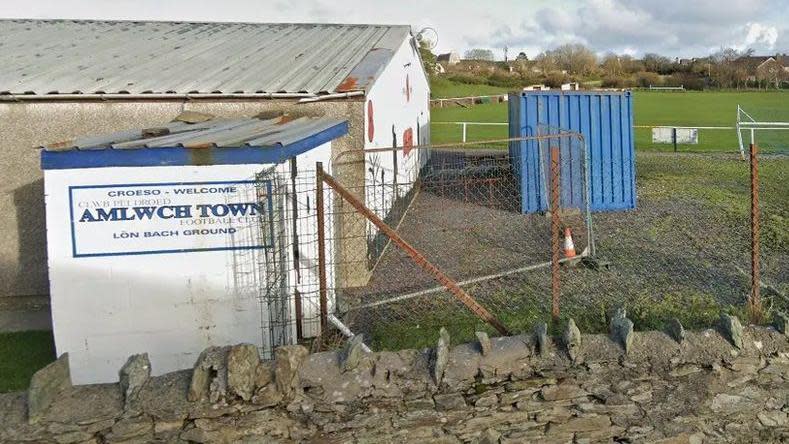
column 685, row 251
column 453, row 241
column 465, row 214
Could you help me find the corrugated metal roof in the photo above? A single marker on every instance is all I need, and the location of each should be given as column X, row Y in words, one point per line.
column 216, row 132
column 105, row 57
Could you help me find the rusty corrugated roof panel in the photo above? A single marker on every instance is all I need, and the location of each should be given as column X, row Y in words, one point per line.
column 217, row 132
column 104, row 57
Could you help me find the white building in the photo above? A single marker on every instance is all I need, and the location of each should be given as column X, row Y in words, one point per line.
column 539, row 87
column 449, row 58
column 62, row 79
column 166, row 240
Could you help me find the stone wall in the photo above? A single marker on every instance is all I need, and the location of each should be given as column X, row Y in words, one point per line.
column 725, row 385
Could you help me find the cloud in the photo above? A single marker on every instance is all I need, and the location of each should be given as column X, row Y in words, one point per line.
column 672, row 27
column 759, row 34
column 699, row 12
column 782, row 43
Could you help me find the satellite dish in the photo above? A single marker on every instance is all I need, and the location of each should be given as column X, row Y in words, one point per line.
column 427, row 37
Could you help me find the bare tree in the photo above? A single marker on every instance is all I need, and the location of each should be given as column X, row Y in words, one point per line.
column 575, row 59
column 612, row 65
column 630, row 65
column 657, row 63
column 545, row 62
column 479, row 54
column 730, row 67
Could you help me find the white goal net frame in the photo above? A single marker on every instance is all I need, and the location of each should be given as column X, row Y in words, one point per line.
column 745, row 122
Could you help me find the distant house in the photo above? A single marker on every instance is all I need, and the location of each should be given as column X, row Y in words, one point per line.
column 770, row 68
column 449, row 59
column 537, row 88
column 773, row 71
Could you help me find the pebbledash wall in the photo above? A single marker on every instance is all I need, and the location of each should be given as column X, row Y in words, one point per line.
column 388, row 103
column 165, row 281
column 28, row 124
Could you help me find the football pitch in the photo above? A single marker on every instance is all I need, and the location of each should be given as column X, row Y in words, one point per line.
column 691, row 109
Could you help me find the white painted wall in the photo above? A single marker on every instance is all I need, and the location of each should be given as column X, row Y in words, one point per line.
column 170, row 305
column 400, row 101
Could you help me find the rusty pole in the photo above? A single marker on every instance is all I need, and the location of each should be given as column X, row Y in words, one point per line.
column 319, row 205
column 418, row 258
column 755, row 303
column 555, row 229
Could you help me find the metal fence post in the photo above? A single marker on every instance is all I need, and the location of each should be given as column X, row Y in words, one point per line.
column 319, row 204
column 754, row 302
column 464, row 132
column 294, row 208
column 555, row 233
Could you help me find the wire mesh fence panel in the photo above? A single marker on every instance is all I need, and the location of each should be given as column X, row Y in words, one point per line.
column 774, row 231
column 685, row 250
column 465, row 213
column 283, row 275
column 763, row 133
column 474, row 237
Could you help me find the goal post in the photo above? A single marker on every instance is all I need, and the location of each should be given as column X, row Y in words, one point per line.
column 769, row 128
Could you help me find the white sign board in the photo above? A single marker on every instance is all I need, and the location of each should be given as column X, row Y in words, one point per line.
column 151, row 218
column 168, row 260
column 129, row 274
column 684, row 136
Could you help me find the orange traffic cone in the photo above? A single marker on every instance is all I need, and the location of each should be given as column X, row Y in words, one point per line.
column 569, row 246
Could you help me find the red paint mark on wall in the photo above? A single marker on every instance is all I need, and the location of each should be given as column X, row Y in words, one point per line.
column 370, row 121
column 408, row 141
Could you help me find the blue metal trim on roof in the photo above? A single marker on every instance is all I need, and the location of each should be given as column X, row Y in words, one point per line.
column 179, row 156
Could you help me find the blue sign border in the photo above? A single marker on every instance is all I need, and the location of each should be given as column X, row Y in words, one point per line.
column 162, row 184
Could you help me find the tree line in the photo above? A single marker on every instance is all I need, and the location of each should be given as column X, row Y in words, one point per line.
column 726, row 68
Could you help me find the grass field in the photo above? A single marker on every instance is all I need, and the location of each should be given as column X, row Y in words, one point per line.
column 442, row 88
column 21, row 355
column 651, row 109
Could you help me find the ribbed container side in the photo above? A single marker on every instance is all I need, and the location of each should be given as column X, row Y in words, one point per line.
column 605, row 119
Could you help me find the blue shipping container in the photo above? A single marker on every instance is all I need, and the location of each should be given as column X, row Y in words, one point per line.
column 604, row 118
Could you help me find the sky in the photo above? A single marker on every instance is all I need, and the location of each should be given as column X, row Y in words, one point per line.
column 675, row 28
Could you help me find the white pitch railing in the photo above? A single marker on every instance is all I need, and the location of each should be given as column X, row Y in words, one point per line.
column 471, row 100
column 466, row 124
column 750, row 124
